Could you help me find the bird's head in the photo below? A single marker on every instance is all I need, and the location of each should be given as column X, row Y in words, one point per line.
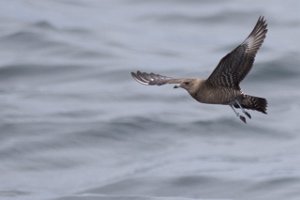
column 190, row 85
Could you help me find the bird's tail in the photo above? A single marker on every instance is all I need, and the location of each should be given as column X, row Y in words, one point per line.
column 254, row 103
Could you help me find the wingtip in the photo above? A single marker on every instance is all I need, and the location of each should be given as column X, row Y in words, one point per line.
column 132, row 74
column 262, row 20
column 137, row 76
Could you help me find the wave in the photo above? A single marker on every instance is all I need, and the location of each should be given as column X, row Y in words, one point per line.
column 193, row 187
column 283, row 68
column 232, row 16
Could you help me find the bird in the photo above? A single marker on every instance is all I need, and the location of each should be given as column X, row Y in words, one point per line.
column 223, row 84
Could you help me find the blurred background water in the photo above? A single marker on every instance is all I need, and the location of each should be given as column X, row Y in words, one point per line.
column 75, row 125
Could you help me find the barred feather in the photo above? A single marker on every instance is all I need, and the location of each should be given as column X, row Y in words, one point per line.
column 254, row 103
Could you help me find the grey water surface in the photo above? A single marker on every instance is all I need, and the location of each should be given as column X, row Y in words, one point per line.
column 74, row 124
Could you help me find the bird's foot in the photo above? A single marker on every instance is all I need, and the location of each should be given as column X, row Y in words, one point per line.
column 241, row 116
column 248, row 115
column 243, row 119
column 243, row 110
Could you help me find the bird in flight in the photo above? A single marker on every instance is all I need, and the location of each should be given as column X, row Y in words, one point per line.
column 222, row 86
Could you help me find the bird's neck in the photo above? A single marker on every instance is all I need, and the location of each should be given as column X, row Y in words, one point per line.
column 198, row 84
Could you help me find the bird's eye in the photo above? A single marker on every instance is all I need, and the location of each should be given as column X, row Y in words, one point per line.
column 186, row 83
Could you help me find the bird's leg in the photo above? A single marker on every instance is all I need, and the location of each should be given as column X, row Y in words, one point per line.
column 243, row 110
column 238, row 114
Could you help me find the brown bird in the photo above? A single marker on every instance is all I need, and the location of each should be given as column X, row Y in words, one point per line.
column 222, row 86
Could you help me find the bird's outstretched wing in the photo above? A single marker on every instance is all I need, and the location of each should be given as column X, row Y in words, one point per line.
column 153, row 79
column 233, row 68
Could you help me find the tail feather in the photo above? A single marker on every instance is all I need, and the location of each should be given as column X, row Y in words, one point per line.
column 254, row 103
